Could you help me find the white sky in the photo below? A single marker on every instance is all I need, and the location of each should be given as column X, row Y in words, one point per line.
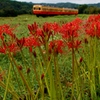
column 58, row 1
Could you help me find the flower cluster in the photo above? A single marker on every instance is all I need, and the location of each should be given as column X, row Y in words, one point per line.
column 46, row 34
column 8, row 39
column 92, row 26
column 46, row 44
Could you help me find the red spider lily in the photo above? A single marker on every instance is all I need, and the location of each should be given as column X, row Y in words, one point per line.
column 10, row 44
column 13, row 48
column 33, row 27
column 37, row 33
column 70, row 29
column 9, row 47
column 93, row 29
column 93, row 18
column 43, row 34
column 92, row 26
column 74, row 44
column 20, row 42
column 2, row 50
column 47, row 30
column 56, row 46
column 40, row 35
column 6, row 29
column 55, row 27
column 46, row 27
column 31, row 41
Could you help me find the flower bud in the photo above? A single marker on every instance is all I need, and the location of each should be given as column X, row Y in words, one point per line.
column 34, row 53
column 28, row 70
column 42, row 76
column 81, row 59
column 85, row 40
column 20, row 67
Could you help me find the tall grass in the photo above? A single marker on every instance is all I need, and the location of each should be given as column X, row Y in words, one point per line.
column 53, row 58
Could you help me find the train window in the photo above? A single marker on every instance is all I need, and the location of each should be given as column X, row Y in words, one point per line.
column 37, row 8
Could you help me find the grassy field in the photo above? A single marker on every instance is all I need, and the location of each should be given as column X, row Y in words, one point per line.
column 43, row 59
column 21, row 22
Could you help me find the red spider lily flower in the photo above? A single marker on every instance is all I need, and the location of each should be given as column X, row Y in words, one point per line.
column 46, row 27
column 93, row 18
column 2, row 50
column 40, row 35
column 50, row 29
column 43, row 34
column 33, row 27
column 70, row 29
column 6, row 29
column 9, row 47
column 75, row 44
column 92, row 26
column 47, row 30
column 93, row 29
column 56, row 46
column 20, row 42
column 31, row 41
column 39, row 32
column 13, row 48
column 55, row 27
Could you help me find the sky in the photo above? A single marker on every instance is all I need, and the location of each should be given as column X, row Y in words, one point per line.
column 58, row 1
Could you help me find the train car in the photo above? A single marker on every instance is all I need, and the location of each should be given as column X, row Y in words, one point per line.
column 40, row 10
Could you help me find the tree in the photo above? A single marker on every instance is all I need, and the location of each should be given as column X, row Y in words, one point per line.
column 81, row 8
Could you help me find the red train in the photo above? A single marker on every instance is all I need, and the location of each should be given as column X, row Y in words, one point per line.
column 40, row 10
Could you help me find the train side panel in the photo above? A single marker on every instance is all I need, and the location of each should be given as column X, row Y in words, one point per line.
column 40, row 10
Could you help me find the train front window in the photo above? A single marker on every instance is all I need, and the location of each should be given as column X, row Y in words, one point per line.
column 37, row 8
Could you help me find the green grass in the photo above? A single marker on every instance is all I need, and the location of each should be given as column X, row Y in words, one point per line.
column 20, row 23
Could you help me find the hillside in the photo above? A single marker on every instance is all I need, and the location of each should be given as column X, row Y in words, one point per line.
column 14, row 8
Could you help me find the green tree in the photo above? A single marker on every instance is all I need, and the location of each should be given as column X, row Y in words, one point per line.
column 81, row 8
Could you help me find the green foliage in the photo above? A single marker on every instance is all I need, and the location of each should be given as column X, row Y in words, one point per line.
column 88, row 9
column 82, row 8
column 14, row 8
column 92, row 10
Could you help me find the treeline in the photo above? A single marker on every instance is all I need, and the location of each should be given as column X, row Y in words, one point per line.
column 88, row 9
column 14, row 8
